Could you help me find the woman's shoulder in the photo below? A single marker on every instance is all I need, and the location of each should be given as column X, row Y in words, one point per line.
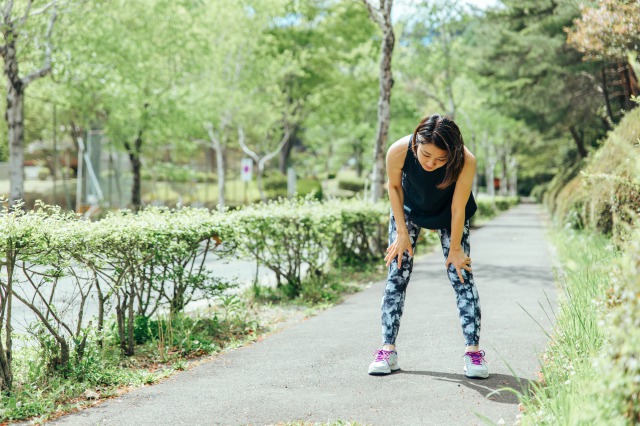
column 468, row 156
column 398, row 151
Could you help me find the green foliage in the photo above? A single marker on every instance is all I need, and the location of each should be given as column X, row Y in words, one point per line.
column 276, row 187
column 363, row 232
column 310, row 186
column 351, row 184
column 569, row 390
column 619, row 365
column 297, row 232
column 590, row 369
column 169, row 172
column 605, row 195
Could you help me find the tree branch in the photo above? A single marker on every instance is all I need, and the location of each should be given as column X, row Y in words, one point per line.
column 47, row 59
column 37, row 12
column 7, row 11
column 385, row 7
column 374, row 14
column 24, row 18
column 244, row 146
column 275, row 152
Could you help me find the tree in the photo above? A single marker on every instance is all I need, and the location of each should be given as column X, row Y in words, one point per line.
column 382, row 16
column 609, row 32
column 14, row 29
column 520, row 50
column 230, row 67
column 431, row 57
column 338, row 130
column 130, row 75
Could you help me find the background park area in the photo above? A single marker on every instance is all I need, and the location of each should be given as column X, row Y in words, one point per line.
column 182, row 178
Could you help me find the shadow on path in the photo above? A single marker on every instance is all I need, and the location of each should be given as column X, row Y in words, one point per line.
column 496, row 382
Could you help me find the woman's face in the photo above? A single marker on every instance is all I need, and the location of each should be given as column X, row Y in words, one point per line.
column 431, row 157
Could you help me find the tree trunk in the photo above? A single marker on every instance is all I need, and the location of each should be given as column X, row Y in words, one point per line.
column 5, row 308
column 489, row 167
column 285, row 154
column 625, row 72
column 504, row 174
column 217, row 147
column 130, row 324
column 577, row 138
column 260, row 172
column 15, row 119
column 513, row 180
column 136, row 166
column 476, row 175
column 607, row 100
column 357, row 153
column 382, row 16
column 101, row 303
column 384, row 116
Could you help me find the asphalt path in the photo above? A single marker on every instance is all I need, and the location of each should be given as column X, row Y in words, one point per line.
column 316, row 370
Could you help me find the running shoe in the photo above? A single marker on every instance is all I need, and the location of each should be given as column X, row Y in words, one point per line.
column 384, row 362
column 475, row 366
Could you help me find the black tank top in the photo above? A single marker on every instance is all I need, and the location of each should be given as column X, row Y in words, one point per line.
column 428, row 206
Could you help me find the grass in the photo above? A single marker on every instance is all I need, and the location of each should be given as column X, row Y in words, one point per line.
column 569, row 390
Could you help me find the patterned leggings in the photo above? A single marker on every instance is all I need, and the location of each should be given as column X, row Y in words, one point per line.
column 398, row 279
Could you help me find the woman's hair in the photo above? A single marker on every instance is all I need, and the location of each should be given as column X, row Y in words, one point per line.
column 444, row 134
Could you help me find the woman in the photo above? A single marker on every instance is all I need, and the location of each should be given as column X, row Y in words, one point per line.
column 430, row 177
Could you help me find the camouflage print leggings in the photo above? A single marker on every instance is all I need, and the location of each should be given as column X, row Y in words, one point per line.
column 398, row 279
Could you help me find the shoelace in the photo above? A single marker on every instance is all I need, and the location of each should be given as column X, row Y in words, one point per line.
column 476, row 357
column 382, row 355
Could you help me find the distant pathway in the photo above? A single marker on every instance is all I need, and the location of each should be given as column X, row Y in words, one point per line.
column 316, row 370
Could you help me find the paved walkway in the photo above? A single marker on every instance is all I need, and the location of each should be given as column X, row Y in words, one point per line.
column 316, row 370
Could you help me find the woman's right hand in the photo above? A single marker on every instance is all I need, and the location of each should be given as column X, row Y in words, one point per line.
column 401, row 244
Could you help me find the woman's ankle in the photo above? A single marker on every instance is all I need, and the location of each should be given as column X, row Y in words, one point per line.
column 388, row 347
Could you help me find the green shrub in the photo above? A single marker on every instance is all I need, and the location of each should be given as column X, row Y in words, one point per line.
column 505, row 203
column 276, row 186
column 305, row 187
column 486, row 209
column 603, row 194
column 277, row 183
column 285, row 234
column 363, row 231
column 43, row 173
column 352, row 184
column 619, row 366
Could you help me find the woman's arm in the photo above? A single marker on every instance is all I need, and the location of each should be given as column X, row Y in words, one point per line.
column 395, row 160
column 460, row 198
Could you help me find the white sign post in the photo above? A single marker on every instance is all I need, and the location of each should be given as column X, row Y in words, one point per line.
column 246, row 174
column 246, row 169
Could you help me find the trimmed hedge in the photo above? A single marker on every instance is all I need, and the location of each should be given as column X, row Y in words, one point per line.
column 137, row 264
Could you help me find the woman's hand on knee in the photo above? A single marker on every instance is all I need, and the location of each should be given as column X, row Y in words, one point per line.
column 401, row 244
column 460, row 261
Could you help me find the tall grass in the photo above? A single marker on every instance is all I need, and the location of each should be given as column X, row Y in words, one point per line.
column 570, row 390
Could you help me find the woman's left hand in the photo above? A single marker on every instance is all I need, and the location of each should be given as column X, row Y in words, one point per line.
column 460, row 261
